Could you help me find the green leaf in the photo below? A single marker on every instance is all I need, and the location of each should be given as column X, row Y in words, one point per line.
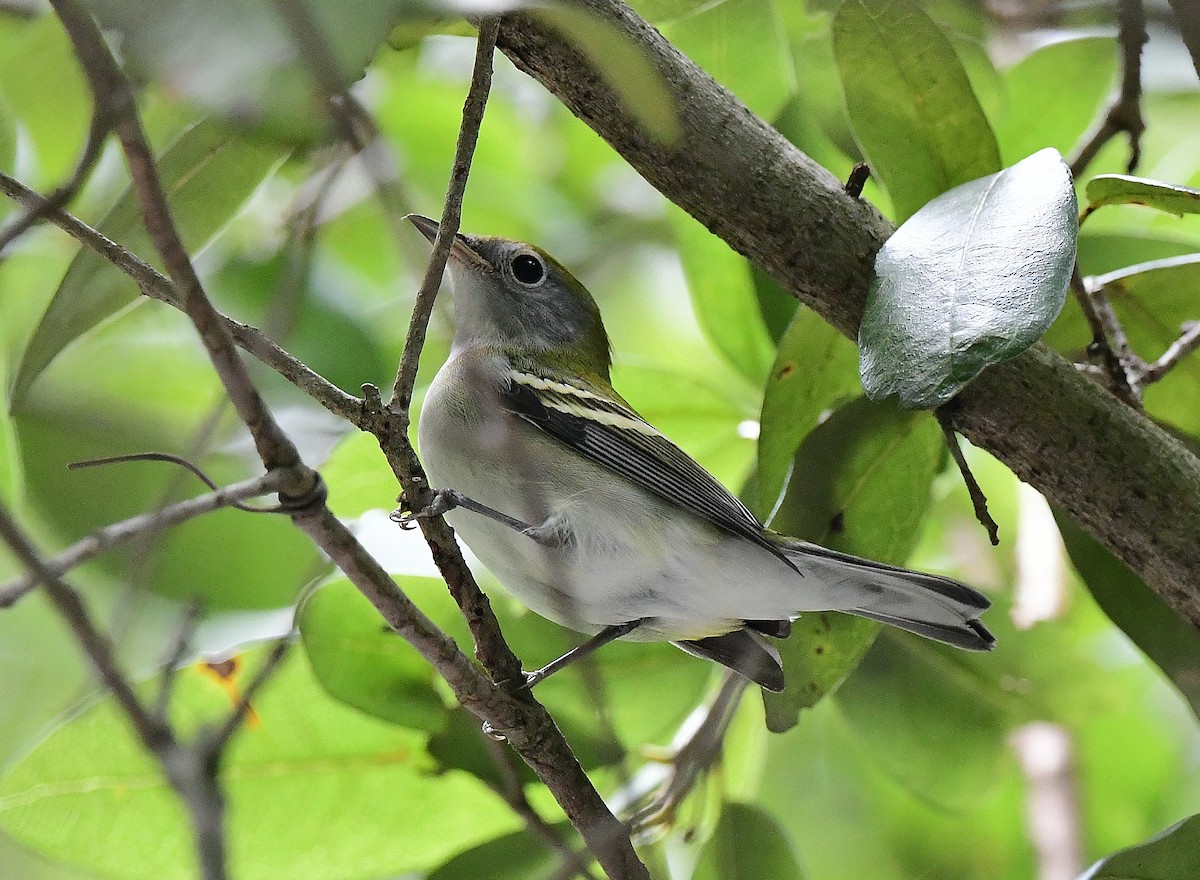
column 1153, row 626
column 749, row 844
column 742, row 45
column 815, row 368
column 314, row 788
column 1054, row 94
column 929, row 718
column 1172, row 855
column 910, row 102
column 359, row 477
column 1121, row 189
column 860, row 484
column 1103, row 252
column 359, row 660
column 8, row 135
column 1153, row 301
column 38, row 54
column 628, row 70
column 207, row 173
column 973, row 278
column 12, row 478
column 724, row 297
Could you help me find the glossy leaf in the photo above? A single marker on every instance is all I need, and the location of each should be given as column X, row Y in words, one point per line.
column 748, row 844
column 910, row 102
column 1149, row 622
column 207, row 173
column 973, row 278
column 1053, row 96
column 1172, row 855
column 815, row 368
column 359, row 660
column 860, row 484
column 1122, row 189
column 314, row 789
column 724, row 297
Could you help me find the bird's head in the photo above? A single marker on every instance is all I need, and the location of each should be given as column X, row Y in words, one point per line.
column 515, row 295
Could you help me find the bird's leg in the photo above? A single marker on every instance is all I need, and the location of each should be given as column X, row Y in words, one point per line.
column 599, row 640
column 445, row 500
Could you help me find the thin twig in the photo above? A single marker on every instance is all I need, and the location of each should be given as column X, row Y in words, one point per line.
column 978, row 499
column 354, row 124
column 510, row 789
column 1101, row 348
column 114, row 94
column 98, row 133
column 1125, row 115
column 1188, row 342
column 95, row 645
column 182, row 644
column 1131, row 366
column 108, row 537
column 464, row 151
column 859, row 175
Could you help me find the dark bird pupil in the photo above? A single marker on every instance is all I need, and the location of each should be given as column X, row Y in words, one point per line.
column 527, row 269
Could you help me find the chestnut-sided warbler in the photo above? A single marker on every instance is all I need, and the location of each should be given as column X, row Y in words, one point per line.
column 593, row 518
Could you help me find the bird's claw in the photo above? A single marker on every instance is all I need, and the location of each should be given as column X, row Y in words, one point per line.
column 406, row 517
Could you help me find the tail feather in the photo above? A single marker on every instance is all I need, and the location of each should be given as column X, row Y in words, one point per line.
column 929, row 605
column 744, row 652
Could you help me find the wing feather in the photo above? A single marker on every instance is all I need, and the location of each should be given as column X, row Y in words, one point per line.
column 614, row 435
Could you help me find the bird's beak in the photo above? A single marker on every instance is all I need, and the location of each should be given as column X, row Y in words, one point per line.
column 459, row 249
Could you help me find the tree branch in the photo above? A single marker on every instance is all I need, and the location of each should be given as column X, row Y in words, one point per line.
column 114, row 99
column 1122, row 478
column 1125, row 115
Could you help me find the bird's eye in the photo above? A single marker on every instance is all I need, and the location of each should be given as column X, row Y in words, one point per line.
column 528, row 269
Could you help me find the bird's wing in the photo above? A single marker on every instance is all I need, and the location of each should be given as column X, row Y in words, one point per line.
column 611, row 433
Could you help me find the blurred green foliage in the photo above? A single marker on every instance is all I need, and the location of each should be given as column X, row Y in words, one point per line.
column 908, row 770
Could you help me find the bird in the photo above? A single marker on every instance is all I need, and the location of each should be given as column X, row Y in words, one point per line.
column 594, row 519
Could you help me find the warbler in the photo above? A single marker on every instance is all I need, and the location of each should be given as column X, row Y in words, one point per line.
column 593, row 518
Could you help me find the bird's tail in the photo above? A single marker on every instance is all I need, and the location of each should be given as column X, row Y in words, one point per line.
column 935, row 607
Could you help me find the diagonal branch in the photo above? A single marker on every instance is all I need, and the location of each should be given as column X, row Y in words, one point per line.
column 114, row 98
